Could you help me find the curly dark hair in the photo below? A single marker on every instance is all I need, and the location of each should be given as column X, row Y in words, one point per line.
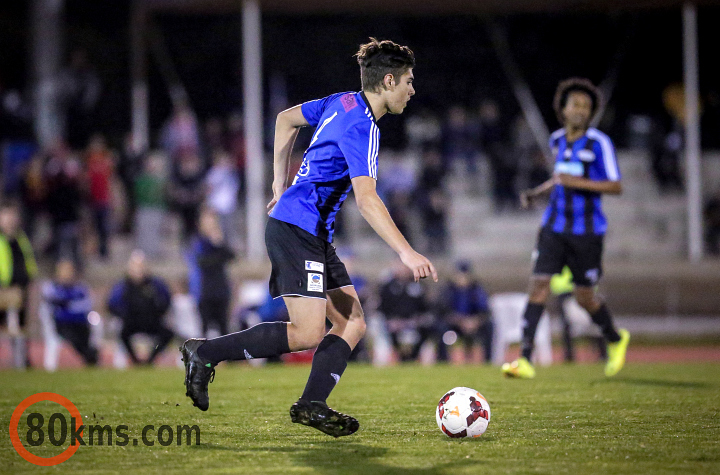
column 379, row 58
column 576, row 85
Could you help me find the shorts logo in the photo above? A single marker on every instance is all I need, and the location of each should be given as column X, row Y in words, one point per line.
column 315, row 282
column 314, row 266
column 593, row 275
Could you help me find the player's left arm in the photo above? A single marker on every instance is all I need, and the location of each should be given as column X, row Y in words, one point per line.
column 609, row 187
column 287, row 125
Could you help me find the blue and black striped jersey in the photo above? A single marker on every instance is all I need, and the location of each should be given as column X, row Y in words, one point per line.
column 345, row 145
column 592, row 156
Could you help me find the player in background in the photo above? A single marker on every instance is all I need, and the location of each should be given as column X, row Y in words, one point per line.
column 306, row 271
column 573, row 226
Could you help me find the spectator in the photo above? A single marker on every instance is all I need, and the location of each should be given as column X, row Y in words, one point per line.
column 186, row 317
column 712, row 224
column 149, row 192
column 407, row 312
column 187, row 191
column 209, row 257
column 433, row 209
column 17, row 270
column 64, row 199
column 236, row 146
column 100, row 170
column 503, row 164
column 69, row 304
column 180, row 134
column 467, row 313
column 141, row 300
column 222, row 186
column 458, row 139
column 33, row 191
column 130, row 168
column 433, row 173
column 79, row 93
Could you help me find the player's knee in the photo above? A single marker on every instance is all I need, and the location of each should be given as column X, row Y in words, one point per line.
column 539, row 291
column 360, row 326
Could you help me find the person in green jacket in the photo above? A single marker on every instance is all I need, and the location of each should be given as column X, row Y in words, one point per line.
column 17, row 271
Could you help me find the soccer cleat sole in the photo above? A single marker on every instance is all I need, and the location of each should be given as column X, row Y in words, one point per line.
column 338, row 425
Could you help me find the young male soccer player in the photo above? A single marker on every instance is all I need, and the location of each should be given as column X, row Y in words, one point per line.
column 306, row 272
column 574, row 225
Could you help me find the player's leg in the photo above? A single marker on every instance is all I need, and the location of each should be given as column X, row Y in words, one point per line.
column 329, row 363
column 550, row 256
column 586, row 266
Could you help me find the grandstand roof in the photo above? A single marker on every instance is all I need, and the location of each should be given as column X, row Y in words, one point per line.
column 418, row 7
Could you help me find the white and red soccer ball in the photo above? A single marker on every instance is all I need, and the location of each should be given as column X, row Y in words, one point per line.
column 463, row 412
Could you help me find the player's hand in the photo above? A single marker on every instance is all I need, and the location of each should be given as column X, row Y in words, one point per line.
column 278, row 190
column 526, row 199
column 420, row 265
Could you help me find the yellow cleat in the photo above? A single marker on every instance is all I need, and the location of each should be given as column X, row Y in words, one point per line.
column 616, row 353
column 520, row 368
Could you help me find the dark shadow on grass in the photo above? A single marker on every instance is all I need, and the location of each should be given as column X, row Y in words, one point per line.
column 349, row 457
column 656, row 382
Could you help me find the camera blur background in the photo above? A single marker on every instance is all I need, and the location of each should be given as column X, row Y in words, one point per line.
column 124, row 123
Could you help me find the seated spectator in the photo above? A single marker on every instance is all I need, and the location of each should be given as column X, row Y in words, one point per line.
column 406, row 310
column 69, row 303
column 141, row 300
column 209, row 257
column 467, row 313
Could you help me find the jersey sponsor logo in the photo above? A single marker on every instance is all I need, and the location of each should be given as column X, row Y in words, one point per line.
column 315, row 266
column 336, row 377
column 315, row 282
column 348, row 101
column 586, row 155
column 569, row 168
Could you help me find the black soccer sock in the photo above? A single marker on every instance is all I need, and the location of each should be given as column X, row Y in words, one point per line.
column 328, row 364
column 261, row 341
column 603, row 319
column 531, row 318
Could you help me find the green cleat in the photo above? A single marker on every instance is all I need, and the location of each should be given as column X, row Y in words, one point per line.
column 520, row 368
column 616, row 353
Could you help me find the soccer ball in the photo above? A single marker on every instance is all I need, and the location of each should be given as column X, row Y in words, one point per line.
column 463, row 412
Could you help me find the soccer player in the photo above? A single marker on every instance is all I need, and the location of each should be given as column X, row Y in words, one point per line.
column 574, row 225
column 306, row 271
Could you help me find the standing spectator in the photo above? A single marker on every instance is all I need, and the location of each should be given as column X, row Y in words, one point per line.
column 712, row 224
column 64, row 199
column 209, row 258
column 79, row 93
column 222, row 186
column 33, row 191
column 180, row 134
column 17, row 270
column 407, row 312
column 100, row 169
column 433, row 211
column 458, row 139
column 187, row 190
column 236, row 146
column 141, row 300
column 149, row 191
column 69, row 304
column 503, row 164
column 467, row 312
column 130, row 168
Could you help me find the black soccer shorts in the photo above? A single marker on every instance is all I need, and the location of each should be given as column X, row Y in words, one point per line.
column 581, row 253
column 302, row 264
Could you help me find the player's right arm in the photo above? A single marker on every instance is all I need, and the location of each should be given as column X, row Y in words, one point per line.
column 287, row 126
column 527, row 196
column 376, row 214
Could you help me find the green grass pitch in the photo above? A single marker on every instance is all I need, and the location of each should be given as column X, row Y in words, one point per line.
column 651, row 418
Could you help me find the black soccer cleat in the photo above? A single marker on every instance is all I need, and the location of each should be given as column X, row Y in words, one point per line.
column 318, row 415
column 198, row 373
